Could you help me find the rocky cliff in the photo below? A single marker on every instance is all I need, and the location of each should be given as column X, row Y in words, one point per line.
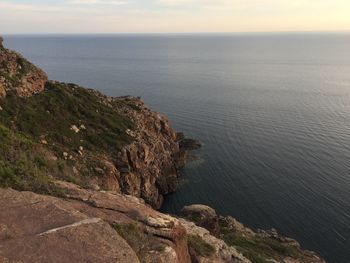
column 81, row 174
column 19, row 75
column 102, row 142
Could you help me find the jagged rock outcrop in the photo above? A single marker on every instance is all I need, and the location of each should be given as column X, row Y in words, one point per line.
column 204, row 216
column 149, row 166
column 19, row 75
column 259, row 246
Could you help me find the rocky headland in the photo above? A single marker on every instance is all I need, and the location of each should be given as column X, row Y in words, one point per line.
column 82, row 174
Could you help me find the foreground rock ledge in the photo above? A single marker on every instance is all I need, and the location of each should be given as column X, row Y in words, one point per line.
column 37, row 228
column 97, row 226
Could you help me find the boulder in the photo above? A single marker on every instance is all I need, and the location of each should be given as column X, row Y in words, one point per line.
column 220, row 251
column 189, row 144
column 203, row 216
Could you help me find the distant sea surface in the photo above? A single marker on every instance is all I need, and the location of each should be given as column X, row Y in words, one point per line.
column 272, row 112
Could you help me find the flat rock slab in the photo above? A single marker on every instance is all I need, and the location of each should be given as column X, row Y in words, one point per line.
column 38, row 229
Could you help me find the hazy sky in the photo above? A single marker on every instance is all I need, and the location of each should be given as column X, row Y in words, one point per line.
column 115, row 16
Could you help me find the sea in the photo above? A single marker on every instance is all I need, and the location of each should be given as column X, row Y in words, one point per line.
column 272, row 111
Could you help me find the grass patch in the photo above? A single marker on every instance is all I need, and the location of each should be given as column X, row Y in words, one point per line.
column 259, row 249
column 52, row 113
column 201, row 247
column 22, row 165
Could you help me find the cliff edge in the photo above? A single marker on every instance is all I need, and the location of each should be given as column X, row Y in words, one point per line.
column 19, row 75
column 81, row 135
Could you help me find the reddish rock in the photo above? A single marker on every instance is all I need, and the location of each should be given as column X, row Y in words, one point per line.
column 203, row 216
column 80, row 226
column 36, row 228
column 149, row 166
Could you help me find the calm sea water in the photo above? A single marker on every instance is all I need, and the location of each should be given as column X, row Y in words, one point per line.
column 273, row 113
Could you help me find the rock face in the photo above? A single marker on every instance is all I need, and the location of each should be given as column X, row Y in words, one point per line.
column 149, row 166
column 19, row 75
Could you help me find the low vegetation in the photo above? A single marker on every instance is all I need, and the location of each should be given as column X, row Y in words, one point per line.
column 54, row 114
column 25, row 165
column 200, row 247
column 257, row 248
column 40, row 136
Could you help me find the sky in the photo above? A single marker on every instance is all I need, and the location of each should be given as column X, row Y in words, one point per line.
column 172, row 16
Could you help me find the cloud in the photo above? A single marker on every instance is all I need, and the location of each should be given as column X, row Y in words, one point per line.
column 240, row 4
column 103, row 2
column 218, row 3
column 111, row 16
column 4, row 5
column 175, row 2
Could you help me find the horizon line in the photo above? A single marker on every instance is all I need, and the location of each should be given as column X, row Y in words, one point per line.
column 181, row 33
